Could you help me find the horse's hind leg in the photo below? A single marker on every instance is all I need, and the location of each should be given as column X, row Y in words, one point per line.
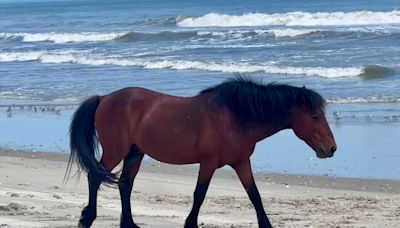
column 131, row 167
column 243, row 170
column 89, row 212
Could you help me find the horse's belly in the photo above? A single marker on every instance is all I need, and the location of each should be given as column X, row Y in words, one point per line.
column 169, row 136
column 170, row 147
column 170, row 154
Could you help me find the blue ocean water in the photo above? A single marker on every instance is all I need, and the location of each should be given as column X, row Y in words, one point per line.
column 56, row 50
column 61, row 51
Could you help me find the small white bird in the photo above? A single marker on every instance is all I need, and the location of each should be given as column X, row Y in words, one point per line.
column 336, row 115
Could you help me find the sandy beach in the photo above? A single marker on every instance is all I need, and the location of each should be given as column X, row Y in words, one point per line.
column 32, row 194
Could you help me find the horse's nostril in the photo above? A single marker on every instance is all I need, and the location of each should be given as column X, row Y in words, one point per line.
column 333, row 149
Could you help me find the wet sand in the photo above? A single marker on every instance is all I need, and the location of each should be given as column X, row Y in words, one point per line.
column 32, row 194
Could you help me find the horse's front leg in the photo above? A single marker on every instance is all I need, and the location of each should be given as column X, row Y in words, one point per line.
column 89, row 212
column 205, row 174
column 243, row 170
column 130, row 169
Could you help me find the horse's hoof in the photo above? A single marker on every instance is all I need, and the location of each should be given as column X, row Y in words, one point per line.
column 80, row 225
column 129, row 226
column 85, row 222
column 190, row 225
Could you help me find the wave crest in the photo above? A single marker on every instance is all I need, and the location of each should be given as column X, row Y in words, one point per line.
column 376, row 71
column 165, row 35
column 235, row 34
column 291, row 19
column 270, row 67
column 61, row 37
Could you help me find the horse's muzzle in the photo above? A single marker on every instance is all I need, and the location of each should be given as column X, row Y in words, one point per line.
column 326, row 153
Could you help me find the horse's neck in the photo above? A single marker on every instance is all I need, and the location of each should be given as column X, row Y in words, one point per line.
column 257, row 131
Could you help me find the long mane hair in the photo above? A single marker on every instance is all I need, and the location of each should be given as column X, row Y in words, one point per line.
column 251, row 100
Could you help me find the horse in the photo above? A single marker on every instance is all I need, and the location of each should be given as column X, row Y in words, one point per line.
column 219, row 126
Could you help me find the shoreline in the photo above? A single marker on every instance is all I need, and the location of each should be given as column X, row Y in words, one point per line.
column 311, row 181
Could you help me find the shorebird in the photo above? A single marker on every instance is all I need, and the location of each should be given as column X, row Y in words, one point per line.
column 9, row 111
column 336, row 115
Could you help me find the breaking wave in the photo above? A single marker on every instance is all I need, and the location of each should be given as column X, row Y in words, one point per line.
column 375, row 71
column 285, row 32
column 139, row 36
column 355, row 100
column 61, row 37
column 182, row 35
column 292, row 19
column 165, row 35
column 96, row 37
column 271, row 68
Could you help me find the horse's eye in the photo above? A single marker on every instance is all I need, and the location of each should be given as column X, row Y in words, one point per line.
column 315, row 118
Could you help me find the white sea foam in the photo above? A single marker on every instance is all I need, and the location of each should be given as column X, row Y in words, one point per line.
column 292, row 19
column 248, row 68
column 15, row 95
column 62, row 37
column 269, row 67
column 232, row 34
column 20, row 56
column 350, row 100
column 290, row 32
column 285, row 32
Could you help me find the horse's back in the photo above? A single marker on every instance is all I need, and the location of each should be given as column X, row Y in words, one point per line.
column 170, row 128
column 165, row 127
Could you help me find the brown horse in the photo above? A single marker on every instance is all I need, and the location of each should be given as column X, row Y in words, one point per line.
column 220, row 126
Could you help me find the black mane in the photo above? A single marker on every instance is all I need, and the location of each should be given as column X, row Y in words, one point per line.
column 252, row 100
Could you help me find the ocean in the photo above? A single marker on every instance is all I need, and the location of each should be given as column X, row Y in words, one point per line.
column 57, row 52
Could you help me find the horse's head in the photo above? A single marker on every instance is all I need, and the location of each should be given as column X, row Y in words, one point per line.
column 313, row 129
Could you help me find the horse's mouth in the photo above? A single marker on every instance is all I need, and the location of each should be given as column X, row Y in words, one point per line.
column 322, row 153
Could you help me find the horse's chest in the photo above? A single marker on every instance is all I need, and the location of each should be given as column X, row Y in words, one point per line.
column 229, row 157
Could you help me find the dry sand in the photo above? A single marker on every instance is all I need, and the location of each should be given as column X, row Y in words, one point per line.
column 32, row 194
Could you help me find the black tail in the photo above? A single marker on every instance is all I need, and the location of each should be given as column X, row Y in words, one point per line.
column 83, row 142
